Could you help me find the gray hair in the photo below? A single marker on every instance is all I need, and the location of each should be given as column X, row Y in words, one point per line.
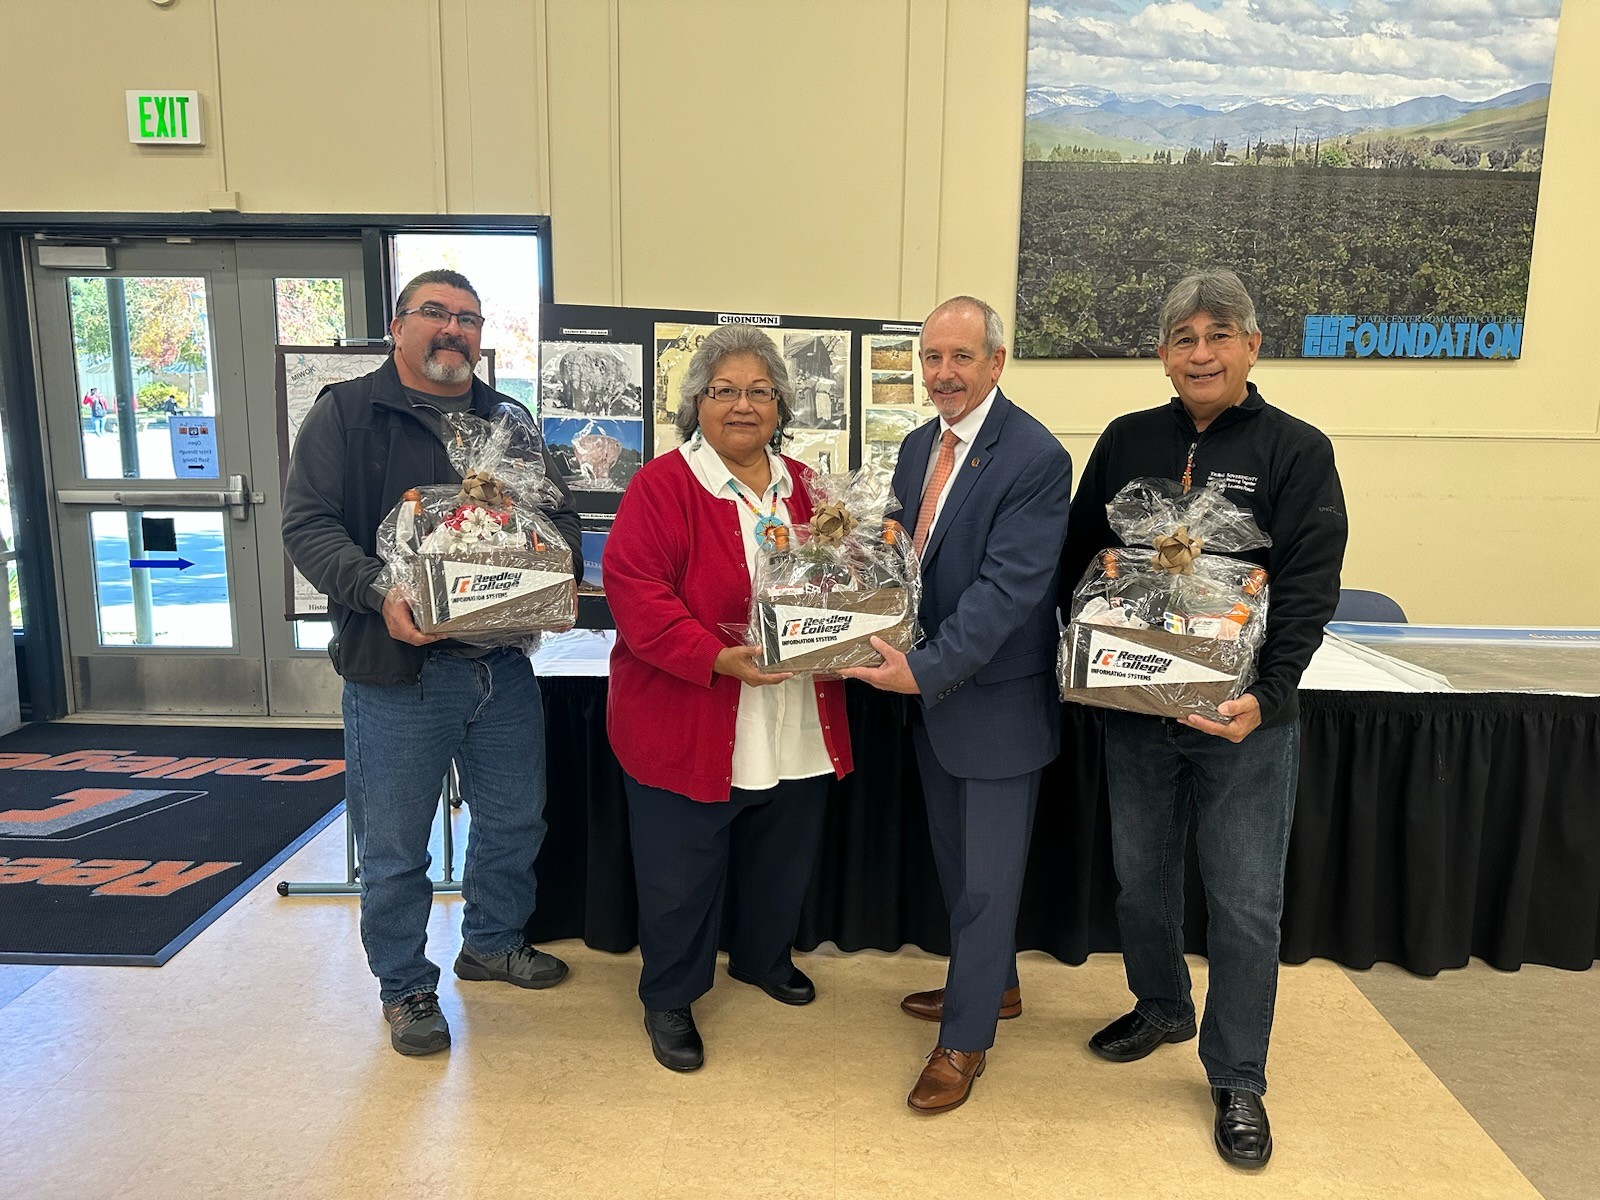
column 724, row 342
column 994, row 329
column 1217, row 291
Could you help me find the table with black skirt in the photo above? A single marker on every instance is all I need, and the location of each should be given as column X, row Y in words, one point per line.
column 1429, row 827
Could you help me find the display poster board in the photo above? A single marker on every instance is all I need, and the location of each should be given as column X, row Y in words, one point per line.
column 610, row 381
column 303, row 371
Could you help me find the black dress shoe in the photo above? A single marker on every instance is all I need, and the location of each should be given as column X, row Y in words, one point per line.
column 1132, row 1036
column 674, row 1040
column 1242, row 1134
column 797, row 989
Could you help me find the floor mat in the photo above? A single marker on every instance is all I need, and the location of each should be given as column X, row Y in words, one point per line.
column 120, row 843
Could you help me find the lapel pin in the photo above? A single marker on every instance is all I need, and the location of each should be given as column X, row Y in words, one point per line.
column 974, row 462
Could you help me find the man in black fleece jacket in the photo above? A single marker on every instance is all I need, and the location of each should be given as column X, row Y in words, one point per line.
column 1236, row 778
column 413, row 702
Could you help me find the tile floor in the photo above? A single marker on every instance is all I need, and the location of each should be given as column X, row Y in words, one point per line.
column 256, row 1064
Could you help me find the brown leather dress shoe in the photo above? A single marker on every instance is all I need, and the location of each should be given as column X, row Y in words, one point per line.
column 946, row 1081
column 929, row 1006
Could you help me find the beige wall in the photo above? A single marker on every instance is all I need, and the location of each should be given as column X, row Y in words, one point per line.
column 849, row 157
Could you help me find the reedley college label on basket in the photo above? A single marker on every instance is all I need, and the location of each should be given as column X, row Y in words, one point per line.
column 1114, row 662
column 806, row 629
column 471, row 586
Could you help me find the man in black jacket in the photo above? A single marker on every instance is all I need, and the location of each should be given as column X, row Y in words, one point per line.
column 415, row 702
column 1236, row 778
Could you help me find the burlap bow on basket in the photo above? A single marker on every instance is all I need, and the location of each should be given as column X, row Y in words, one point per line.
column 480, row 487
column 1176, row 551
column 831, row 524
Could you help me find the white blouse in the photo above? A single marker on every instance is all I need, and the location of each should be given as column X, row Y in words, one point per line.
column 779, row 732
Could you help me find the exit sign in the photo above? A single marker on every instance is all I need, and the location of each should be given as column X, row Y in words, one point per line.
column 160, row 118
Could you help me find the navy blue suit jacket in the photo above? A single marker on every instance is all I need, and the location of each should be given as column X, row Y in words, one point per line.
column 987, row 669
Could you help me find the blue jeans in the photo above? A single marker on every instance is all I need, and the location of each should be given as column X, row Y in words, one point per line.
column 1241, row 796
column 399, row 741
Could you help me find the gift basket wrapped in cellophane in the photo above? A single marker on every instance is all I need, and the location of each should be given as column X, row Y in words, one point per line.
column 480, row 561
column 823, row 590
column 1167, row 625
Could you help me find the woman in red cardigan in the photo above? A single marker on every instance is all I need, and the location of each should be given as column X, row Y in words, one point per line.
column 727, row 767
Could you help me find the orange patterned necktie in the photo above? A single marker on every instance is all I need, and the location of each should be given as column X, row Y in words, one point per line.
column 930, row 494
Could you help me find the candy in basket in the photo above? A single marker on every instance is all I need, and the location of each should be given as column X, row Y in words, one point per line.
column 823, row 590
column 479, row 561
column 1165, row 625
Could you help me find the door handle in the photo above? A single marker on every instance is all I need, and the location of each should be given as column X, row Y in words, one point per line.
column 237, row 498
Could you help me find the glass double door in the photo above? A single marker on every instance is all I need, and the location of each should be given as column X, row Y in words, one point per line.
column 163, row 430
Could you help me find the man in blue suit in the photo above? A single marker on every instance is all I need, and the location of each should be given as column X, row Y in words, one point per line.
column 985, row 490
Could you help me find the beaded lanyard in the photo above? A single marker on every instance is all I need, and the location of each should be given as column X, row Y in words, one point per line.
column 765, row 522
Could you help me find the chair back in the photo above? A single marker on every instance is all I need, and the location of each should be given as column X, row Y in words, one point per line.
column 1358, row 605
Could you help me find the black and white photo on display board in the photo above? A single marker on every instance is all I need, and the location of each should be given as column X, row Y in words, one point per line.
column 676, row 343
column 819, row 371
column 588, row 379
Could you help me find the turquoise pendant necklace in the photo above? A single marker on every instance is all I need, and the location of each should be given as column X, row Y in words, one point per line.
column 767, row 521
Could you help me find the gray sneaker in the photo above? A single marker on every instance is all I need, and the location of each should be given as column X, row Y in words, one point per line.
column 416, row 1026
column 523, row 966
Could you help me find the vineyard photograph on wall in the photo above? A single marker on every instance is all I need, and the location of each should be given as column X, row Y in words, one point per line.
column 1369, row 168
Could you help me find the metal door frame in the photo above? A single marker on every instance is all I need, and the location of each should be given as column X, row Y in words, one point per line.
column 300, row 683
column 182, row 680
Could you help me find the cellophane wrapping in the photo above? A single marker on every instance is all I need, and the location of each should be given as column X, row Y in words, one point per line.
column 1167, row 625
column 480, row 561
column 824, row 589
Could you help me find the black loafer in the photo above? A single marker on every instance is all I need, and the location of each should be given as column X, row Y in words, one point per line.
column 1132, row 1036
column 674, row 1040
column 1242, row 1134
column 797, row 989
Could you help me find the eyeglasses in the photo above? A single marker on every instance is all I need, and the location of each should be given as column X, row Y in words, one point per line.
column 437, row 314
column 1217, row 340
column 727, row 395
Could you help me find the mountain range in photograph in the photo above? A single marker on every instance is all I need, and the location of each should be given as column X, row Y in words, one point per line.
column 1099, row 119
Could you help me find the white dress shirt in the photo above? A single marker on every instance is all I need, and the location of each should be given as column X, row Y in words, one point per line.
column 779, row 732
column 966, row 431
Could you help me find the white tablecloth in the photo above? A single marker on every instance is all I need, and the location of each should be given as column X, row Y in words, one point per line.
column 1342, row 663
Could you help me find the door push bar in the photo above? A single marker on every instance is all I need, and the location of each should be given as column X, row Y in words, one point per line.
column 237, row 499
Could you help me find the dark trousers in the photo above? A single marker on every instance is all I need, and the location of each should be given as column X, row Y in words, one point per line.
column 687, row 855
column 980, row 830
column 1241, row 796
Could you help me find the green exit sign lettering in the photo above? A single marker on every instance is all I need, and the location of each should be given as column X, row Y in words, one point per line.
column 163, row 118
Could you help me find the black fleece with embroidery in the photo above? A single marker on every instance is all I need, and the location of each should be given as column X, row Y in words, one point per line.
column 1275, row 465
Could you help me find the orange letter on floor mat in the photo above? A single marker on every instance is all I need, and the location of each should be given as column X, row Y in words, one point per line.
column 94, row 871
column 26, row 870
column 162, row 879
column 319, row 768
column 76, row 801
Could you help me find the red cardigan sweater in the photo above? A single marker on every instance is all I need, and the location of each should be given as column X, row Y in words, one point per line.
column 674, row 574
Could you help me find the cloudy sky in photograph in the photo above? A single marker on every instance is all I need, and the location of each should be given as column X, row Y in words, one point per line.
column 1360, row 52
